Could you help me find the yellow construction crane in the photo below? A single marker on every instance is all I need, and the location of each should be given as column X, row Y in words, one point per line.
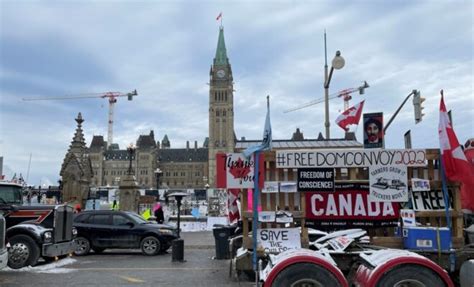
column 344, row 94
column 111, row 96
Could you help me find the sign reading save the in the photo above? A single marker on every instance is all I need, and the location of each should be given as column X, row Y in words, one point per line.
column 276, row 240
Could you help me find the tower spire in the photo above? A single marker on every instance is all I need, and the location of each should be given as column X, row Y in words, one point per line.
column 221, row 52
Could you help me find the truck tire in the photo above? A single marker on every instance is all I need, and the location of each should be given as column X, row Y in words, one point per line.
column 23, row 252
column 305, row 274
column 83, row 246
column 150, row 246
column 412, row 276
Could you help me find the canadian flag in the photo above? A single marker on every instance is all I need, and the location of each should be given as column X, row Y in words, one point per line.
column 351, row 116
column 233, row 207
column 455, row 163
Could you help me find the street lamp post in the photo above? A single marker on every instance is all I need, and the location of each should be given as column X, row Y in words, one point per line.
column 337, row 63
column 158, row 173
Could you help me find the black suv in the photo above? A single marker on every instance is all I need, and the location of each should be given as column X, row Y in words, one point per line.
column 101, row 229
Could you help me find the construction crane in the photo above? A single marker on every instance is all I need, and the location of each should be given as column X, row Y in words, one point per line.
column 344, row 94
column 111, row 96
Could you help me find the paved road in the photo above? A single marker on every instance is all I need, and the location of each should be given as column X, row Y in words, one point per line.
column 130, row 268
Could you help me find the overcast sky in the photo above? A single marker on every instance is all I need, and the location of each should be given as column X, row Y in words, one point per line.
column 164, row 49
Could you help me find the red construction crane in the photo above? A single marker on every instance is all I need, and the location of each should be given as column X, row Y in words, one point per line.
column 344, row 94
column 112, row 96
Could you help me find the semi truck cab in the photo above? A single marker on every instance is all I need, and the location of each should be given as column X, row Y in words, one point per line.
column 34, row 231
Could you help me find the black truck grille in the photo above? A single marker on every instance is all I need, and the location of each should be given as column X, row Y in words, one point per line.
column 63, row 223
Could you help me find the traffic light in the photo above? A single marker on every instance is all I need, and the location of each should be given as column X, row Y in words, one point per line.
column 417, row 104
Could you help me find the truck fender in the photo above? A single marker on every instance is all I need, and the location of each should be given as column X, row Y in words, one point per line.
column 305, row 258
column 32, row 230
column 377, row 265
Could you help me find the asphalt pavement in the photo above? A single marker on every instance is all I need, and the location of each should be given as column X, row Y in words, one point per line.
column 131, row 268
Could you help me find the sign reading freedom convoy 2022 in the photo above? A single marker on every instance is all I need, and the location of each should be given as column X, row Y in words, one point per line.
column 348, row 206
column 350, row 158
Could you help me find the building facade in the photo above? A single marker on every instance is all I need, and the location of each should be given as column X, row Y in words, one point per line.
column 160, row 165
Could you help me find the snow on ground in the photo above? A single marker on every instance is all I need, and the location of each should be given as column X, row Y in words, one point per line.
column 53, row 268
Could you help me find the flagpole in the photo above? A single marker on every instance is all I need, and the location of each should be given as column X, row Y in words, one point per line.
column 255, row 215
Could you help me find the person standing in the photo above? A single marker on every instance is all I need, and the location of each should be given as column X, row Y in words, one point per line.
column 158, row 213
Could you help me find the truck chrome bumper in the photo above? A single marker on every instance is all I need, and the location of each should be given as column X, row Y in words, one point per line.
column 58, row 249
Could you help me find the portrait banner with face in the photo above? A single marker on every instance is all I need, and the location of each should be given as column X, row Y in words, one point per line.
column 373, row 130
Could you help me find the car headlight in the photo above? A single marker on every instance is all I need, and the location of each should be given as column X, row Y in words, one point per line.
column 74, row 231
column 48, row 236
column 166, row 231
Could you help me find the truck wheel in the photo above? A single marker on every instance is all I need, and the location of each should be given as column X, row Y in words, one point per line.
column 83, row 246
column 410, row 276
column 150, row 245
column 23, row 252
column 305, row 275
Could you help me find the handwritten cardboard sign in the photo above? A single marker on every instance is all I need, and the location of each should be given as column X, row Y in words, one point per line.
column 276, row 240
column 234, row 170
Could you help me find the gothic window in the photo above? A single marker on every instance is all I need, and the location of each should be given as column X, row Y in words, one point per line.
column 223, row 143
column 217, row 113
column 216, row 144
column 225, row 95
column 146, row 180
column 215, row 96
column 223, row 113
column 183, row 173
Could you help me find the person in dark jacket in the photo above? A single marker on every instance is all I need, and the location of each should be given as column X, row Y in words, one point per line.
column 158, row 213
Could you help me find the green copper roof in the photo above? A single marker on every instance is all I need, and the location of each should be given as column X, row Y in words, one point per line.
column 221, row 53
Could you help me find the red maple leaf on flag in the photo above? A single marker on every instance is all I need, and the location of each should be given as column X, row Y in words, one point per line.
column 239, row 170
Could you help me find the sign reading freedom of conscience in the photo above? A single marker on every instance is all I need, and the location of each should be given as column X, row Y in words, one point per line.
column 315, row 179
column 350, row 158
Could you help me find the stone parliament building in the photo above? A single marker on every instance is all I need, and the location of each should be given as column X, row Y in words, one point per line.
column 193, row 167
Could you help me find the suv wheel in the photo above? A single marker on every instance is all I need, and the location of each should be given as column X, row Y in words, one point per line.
column 150, row 245
column 23, row 252
column 83, row 246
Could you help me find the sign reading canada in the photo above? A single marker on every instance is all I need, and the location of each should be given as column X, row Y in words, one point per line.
column 236, row 171
column 348, row 206
column 349, row 158
column 311, row 179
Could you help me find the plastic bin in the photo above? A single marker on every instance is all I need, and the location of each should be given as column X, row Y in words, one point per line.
column 427, row 238
column 221, row 236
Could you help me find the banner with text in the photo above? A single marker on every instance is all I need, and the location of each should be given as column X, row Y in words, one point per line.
column 276, row 240
column 430, row 200
column 315, row 179
column 388, row 183
column 348, row 206
column 235, row 171
column 350, row 158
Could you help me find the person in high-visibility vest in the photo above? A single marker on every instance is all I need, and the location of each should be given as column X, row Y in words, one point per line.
column 146, row 214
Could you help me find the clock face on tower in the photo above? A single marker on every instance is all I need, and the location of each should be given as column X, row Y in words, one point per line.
column 220, row 73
